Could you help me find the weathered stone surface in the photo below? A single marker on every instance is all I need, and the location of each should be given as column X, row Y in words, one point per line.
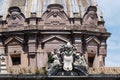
column 32, row 29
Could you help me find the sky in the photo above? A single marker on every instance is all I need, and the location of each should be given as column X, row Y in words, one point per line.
column 111, row 11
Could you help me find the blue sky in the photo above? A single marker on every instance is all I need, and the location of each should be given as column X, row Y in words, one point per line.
column 111, row 11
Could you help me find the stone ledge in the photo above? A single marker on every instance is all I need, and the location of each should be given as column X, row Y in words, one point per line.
column 40, row 77
column 104, row 70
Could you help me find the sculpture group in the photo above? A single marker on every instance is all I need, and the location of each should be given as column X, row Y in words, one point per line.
column 66, row 62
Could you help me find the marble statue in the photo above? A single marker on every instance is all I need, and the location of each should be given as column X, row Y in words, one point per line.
column 67, row 62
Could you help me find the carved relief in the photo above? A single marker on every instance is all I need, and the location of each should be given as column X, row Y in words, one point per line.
column 54, row 19
column 54, row 16
column 90, row 18
column 66, row 60
column 15, row 18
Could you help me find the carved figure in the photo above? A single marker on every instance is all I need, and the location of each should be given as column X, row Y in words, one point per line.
column 80, row 60
column 67, row 62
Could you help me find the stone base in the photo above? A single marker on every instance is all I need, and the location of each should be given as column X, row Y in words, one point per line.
column 39, row 77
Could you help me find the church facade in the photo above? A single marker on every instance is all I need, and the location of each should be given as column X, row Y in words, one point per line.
column 31, row 29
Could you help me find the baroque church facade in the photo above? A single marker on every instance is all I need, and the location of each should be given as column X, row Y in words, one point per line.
column 31, row 29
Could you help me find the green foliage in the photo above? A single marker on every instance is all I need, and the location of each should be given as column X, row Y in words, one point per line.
column 50, row 59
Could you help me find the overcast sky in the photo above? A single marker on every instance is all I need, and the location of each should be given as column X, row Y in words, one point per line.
column 111, row 11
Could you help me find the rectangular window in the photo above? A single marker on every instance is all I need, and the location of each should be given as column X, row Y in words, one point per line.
column 90, row 61
column 16, row 59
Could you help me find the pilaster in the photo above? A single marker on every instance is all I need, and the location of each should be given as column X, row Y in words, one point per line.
column 3, row 60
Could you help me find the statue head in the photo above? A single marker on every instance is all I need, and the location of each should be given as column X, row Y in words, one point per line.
column 69, row 45
column 68, row 49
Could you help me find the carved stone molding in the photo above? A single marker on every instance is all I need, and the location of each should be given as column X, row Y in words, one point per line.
column 90, row 18
column 15, row 18
column 55, row 15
